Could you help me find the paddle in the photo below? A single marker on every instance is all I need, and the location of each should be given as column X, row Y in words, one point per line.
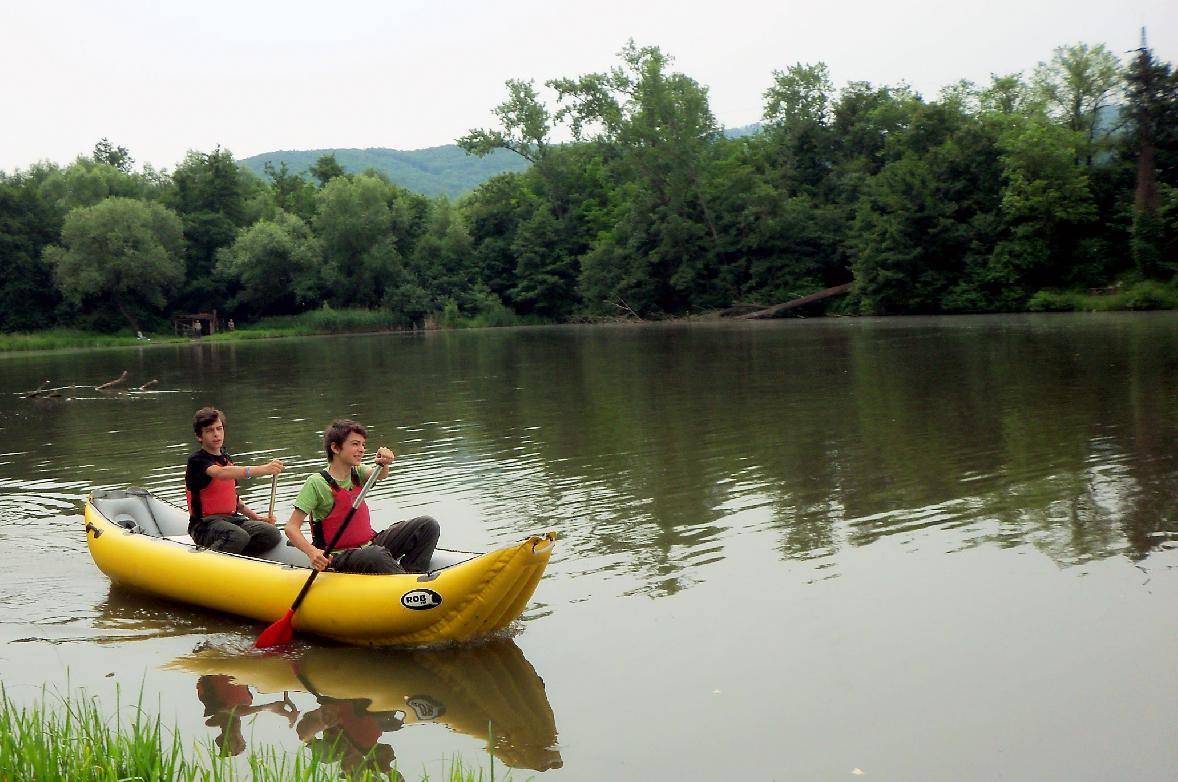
column 273, row 493
column 281, row 632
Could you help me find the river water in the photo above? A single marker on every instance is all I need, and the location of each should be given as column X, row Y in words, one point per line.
column 895, row 549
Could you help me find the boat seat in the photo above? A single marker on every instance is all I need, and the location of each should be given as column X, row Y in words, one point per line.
column 127, row 522
column 139, row 511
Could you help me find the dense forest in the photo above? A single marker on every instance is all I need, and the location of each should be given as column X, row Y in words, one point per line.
column 990, row 198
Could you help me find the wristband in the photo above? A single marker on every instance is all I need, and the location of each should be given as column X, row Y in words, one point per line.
column 247, row 472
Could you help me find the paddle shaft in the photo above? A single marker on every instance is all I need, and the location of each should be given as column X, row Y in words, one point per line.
column 376, row 468
column 273, row 493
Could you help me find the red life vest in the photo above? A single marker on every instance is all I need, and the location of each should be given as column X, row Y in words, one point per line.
column 359, row 530
column 361, row 729
column 219, row 692
column 218, row 498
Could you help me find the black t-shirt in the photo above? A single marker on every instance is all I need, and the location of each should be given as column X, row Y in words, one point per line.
column 196, row 476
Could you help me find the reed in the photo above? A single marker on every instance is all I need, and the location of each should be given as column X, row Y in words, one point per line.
column 73, row 738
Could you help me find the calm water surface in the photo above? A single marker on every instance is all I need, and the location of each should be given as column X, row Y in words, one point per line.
column 896, row 549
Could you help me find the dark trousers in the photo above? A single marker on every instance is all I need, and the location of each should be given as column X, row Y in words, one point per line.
column 405, row 547
column 234, row 534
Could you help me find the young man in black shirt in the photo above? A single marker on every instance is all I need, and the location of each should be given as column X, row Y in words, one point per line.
column 217, row 518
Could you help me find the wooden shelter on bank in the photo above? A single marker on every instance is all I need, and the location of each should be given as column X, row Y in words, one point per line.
column 196, row 324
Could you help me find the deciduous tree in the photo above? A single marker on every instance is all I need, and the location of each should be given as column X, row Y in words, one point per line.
column 120, row 253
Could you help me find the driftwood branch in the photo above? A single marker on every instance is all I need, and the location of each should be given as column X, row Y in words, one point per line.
column 43, row 388
column 147, row 385
column 624, row 307
column 118, row 381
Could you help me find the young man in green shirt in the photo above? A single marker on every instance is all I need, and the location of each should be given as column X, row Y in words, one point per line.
column 326, row 497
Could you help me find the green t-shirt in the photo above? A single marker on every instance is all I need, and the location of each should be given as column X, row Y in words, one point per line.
column 315, row 498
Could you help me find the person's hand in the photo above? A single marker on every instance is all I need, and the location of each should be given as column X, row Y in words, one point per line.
column 286, row 708
column 269, row 519
column 384, row 457
column 273, row 468
column 319, row 560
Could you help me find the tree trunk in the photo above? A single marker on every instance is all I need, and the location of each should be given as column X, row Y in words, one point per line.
column 127, row 315
column 777, row 309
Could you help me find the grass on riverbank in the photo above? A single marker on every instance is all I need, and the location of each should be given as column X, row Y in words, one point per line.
column 315, row 322
column 322, row 321
column 1145, row 295
column 61, row 339
column 76, row 741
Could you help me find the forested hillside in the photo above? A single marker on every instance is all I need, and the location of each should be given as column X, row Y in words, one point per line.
column 445, row 170
column 1021, row 193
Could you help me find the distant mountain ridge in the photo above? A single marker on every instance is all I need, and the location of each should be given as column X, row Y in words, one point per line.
column 445, row 170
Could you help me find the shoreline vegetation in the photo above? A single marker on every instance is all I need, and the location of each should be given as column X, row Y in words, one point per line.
column 72, row 738
column 1143, row 295
column 1027, row 193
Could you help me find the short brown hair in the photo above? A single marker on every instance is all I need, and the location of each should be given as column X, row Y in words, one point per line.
column 338, row 431
column 206, row 417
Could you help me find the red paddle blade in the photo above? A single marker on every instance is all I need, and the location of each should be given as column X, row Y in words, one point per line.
column 277, row 634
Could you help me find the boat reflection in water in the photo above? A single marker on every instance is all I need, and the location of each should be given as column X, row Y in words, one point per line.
column 363, row 693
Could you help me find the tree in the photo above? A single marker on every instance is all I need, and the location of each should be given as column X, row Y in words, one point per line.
column 1152, row 110
column 85, row 182
column 657, row 128
column 1009, row 94
column 115, row 157
column 901, row 232
column 1079, row 86
column 326, row 168
column 526, row 123
column 546, row 273
column 121, row 254
column 210, row 195
column 493, row 214
column 443, row 261
column 27, row 225
column 1047, row 207
column 277, row 265
column 798, row 140
column 353, row 221
column 799, row 94
column 292, row 193
column 865, row 118
column 773, row 246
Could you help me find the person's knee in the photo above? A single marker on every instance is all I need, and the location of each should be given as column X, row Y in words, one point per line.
column 373, row 559
column 265, row 538
column 429, row 528
column 269, row 536
column 231, row 540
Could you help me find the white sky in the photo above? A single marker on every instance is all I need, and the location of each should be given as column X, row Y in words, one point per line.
column 162, row 77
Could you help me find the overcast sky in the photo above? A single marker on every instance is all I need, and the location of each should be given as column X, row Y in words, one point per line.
column 161, row 78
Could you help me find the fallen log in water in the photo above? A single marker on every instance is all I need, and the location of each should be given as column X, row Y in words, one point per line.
column 739, row 308
column 777, row 309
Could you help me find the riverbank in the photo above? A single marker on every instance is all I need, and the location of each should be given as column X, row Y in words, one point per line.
column 1145, row 295
column 72, row 738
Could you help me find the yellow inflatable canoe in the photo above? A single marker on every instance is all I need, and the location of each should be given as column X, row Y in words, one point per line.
column 139, row 540
column 469, row 689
